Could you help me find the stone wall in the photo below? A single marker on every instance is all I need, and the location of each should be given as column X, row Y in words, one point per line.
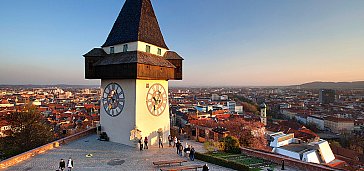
column 76, row 136
column 287, row 161
column 26, row 155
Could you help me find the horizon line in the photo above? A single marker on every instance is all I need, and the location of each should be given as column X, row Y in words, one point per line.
column 192, row 86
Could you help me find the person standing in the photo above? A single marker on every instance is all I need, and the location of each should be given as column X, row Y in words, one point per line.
column 141, row 143
column 177, row 146
column 170, row 140
column 70, row 164
column 175, row 141
column 62, row 165
column 146, row 143
column 180, row 149
column 187, row 151
column 192, row 154
column 160, row 142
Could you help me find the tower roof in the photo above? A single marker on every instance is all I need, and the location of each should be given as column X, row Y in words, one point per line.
column 172, row 55
column 95, row 52
column 263, row 105
column 136, row 22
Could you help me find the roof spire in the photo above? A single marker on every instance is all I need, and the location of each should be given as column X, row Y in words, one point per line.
column 136, row 22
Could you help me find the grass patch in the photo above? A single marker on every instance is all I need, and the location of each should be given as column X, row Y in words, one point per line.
column 252, row 163
column 222, row 162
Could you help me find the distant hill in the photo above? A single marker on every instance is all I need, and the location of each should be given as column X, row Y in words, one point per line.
column 332, row 85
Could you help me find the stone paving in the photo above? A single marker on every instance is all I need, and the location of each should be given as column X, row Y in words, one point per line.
column 105, row 156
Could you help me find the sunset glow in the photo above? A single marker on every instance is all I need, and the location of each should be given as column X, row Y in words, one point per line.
column 239, row 43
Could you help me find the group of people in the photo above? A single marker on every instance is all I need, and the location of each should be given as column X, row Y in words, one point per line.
column 62, row 164
column 189, row 150
column 145, row 146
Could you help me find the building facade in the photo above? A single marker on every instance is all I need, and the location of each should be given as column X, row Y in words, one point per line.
column 314, row 152
column 326, row 96
column 339, row 125
column 317, row 120
column 231, row 106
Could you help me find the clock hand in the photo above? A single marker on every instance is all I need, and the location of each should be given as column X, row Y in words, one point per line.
column 156, row 101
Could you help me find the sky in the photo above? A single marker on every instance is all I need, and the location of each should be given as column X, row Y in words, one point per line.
column 224, row 43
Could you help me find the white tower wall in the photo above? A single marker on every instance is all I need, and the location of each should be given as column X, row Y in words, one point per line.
column 146, row 122
column 118, row 128
column 135, row 113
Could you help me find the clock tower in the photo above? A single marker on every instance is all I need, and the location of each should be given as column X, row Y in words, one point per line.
column 134, row 65
column 263, row 113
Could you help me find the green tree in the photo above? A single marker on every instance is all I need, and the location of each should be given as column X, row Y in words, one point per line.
column 231, row 144
column 29, row 129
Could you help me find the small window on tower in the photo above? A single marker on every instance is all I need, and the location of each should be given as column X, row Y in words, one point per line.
column 125, row 48
column 112, row 49
column 159, row 51
column 147, row 48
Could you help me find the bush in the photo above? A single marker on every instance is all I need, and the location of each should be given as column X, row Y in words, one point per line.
column 221, row 162
column 209, row 146
column 214, row 146
column 231, row 144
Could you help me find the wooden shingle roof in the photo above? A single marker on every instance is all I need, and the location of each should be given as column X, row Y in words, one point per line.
column 136, row 22
column 97, row 52
column 172, row 55
column 134, row 57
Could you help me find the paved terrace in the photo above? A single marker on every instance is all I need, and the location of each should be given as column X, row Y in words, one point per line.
column 106, row 156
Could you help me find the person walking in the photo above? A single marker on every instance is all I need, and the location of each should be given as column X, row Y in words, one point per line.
column 192, row 154
column 140, row 144
column 146, row 143
column 70, row 164
column 62, row 165
column 170, row 140
column 160, row 142
column 205, row 168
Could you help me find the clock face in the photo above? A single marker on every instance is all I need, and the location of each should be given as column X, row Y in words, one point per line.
column 113, row 99
column 156, row 99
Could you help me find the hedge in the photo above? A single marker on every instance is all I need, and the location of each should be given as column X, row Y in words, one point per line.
column 221, row 162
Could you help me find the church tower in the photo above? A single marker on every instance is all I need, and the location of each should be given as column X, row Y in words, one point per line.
column 134, row 65
column 263, row 114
